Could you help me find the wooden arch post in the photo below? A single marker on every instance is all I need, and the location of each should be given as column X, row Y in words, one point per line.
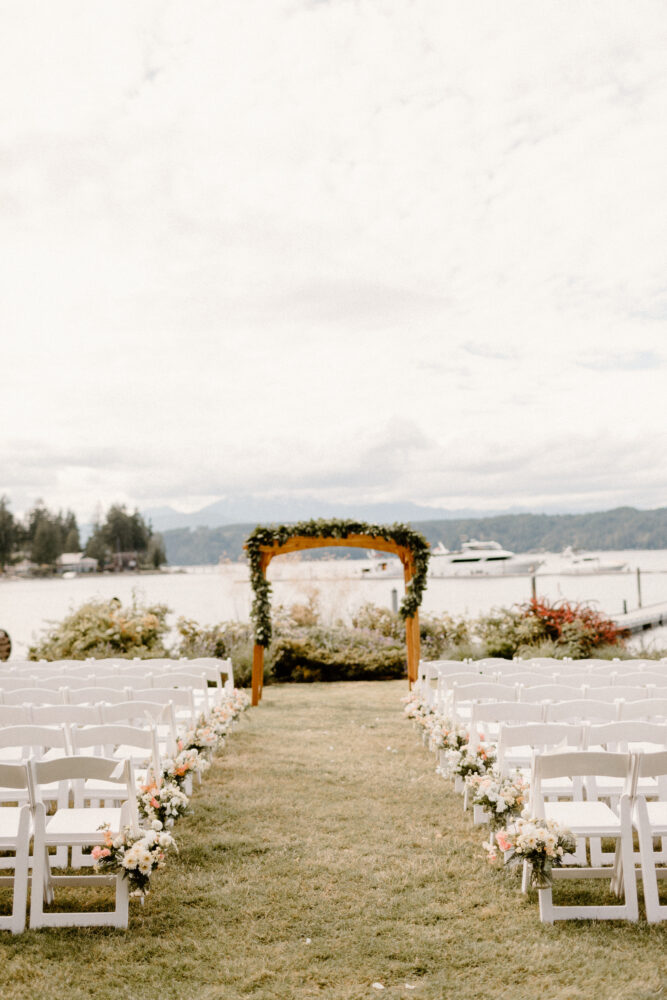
column 360, row 541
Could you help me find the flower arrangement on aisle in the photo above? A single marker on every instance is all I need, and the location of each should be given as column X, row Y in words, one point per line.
column 204, row 738
column 159, row 808
column 133, row 857
column 501, row 797
column 465, row 762
column 162, row 803
column 444, row 735
column 540, row 842
column 175, row 770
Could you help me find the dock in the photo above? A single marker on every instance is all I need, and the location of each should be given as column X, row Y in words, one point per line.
column 643, row 618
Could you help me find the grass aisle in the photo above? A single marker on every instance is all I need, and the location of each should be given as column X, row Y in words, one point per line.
column 325, row 855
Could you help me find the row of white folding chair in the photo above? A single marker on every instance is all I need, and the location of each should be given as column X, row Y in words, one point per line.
column 214, row 669
column 131, row 712
column 186, row 708
column 518, row 744
column 592, row 819
column 70, row 825
column 140, row 742
column 487, row 717
column 457, row 705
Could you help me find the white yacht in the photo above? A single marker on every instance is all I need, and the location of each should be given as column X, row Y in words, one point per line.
column 577, row 563
column 381, row 566
column 477, row 558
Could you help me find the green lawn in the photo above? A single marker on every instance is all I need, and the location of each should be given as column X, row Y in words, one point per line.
column 324, row 854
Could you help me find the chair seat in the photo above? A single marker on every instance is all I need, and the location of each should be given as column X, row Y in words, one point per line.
column 587, row 819
column 84, row 824
column 9, row 826
column 657, row 815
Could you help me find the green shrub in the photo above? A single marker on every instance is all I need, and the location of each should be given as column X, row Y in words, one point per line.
column 105, row 628
column 228, row 639
column 318, row 653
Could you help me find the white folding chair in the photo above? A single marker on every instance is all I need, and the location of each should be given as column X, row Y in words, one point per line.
column 584, row 820
column 79, row 828
column 61, row 715
column 216, row 669
column 182, row 699
column 137, row 713
column 15, row 833
column 34, row 696
column 650, row 821
column 581, row 710
column 649, row 709
column 549, row 692
column 196, row 682
column 95, row 695
column 463, row 696
column 487, row 717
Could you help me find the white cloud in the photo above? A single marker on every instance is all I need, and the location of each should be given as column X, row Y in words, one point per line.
column 246, row 245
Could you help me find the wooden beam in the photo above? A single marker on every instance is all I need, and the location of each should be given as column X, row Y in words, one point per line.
column 257, row 673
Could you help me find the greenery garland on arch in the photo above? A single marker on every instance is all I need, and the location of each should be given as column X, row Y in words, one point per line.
column 401, row 534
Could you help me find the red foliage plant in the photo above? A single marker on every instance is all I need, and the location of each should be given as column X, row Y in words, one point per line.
column 554, row 618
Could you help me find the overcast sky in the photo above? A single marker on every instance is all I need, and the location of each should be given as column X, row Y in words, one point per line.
column 359, row 249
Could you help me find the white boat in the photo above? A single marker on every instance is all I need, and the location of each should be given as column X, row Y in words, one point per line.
column 380, row 566
column 575, row 562
column 478, row 558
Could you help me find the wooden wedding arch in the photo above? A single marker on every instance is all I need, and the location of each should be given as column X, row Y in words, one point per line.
column 267, row 542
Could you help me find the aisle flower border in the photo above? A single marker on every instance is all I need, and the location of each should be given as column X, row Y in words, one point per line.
column 515, row 835
column 162, row 802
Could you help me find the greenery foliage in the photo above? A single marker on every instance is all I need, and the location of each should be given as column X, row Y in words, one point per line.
column 401, row 534
column 565, row 629
column 105, row 628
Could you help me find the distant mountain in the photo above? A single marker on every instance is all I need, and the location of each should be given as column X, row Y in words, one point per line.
column 259, row 510
column 622, row 528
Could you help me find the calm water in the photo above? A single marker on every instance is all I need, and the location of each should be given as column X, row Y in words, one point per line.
column 213, row 594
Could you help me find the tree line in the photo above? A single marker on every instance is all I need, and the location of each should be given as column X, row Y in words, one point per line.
column 119, row 540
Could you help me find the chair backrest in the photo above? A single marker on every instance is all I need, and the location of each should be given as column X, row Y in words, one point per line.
column 642, row 677
column 622, row 736
column 217, row 667
column 87, row 768
column 538, row 736
column 14, row 682
column 15, row 777
column 463, row 694
column 616, row 692
column 651, row 764
column 137, row 743
column 34, row 740
column 35, row 696
column 483, row 714
column 549, row 692
column 581, row 710
column 181, row 698
column 94, row 695
column 136, row 712
column 645, row 708
column 577, row 764
column 57, row 715
column 15, row 715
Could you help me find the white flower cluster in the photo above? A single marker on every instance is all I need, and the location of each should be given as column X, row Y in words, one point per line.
column 501, row 796
column 161, row 807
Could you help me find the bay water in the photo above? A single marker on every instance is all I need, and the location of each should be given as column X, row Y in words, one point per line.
column 211, row 594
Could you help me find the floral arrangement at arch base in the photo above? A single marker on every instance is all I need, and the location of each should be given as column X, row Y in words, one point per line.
column 540, row 842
